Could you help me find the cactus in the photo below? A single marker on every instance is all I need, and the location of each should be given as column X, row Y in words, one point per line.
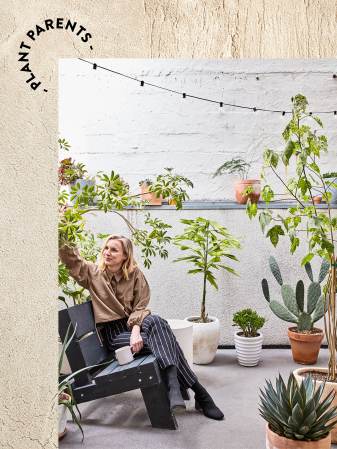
column 292, row 309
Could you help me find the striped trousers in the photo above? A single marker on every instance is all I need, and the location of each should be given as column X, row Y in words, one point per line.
column 158, row 339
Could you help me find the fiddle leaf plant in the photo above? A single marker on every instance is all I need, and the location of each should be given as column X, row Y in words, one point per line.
column 208, row 245
column 304, row 144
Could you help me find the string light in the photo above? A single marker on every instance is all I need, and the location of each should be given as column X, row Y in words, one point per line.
column 185, row 95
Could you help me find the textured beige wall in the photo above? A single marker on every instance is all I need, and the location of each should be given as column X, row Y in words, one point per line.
column 28, row 256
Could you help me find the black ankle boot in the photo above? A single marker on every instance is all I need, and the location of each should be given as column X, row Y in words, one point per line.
column 176, row 400
column 204, row 402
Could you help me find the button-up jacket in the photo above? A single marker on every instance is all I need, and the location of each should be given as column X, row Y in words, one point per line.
column 113, row 296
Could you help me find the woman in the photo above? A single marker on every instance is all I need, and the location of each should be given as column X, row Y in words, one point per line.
column 120, row 295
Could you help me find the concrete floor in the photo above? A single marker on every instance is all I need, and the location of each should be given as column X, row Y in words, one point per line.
column 121, row 421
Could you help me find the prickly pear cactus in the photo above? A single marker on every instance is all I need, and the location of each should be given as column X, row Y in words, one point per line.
column 293, row 307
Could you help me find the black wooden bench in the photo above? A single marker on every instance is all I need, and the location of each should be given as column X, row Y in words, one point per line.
column 88, row 348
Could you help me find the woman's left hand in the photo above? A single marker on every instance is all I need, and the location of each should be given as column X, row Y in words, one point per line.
column 136, row 341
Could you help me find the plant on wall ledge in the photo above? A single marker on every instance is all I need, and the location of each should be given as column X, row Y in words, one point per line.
column 303, row 147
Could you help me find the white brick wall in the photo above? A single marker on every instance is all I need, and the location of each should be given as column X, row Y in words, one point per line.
column 113, row 123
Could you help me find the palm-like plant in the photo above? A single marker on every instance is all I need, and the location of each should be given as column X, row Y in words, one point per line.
column 208, row 244
column 298, row 412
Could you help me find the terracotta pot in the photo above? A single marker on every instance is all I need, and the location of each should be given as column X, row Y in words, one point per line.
column 242, row 185
column 317, row 199
column 274, row 441
column 305, row 347
column 150, row 196
column 329, row 386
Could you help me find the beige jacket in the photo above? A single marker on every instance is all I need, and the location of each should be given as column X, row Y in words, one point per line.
column 113, row 297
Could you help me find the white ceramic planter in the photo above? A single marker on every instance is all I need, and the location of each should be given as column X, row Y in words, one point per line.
column 206, row 338
column 248, row 349
column 62, row 420
column 183, row 331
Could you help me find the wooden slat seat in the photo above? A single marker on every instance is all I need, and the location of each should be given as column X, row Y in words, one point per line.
column 87, row 349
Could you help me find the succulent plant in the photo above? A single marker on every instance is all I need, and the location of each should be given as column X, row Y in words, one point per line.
column 297, row 411
column 292, row 309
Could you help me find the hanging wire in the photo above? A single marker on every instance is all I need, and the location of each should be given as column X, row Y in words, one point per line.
column 185, row 95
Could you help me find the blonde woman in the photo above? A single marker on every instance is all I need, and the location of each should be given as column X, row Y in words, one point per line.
column 120, row 296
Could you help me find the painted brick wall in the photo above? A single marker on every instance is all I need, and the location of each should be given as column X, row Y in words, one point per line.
column 113, row 123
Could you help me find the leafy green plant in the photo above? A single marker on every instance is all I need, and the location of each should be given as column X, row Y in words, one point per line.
column 304, row 145
column 65, row 392
column 208, row 244
column 330, row 175
column 172, row 186
column 248, row 321
column 298, row 412
column 69, row 171
column 293, row 309
column 234, row 166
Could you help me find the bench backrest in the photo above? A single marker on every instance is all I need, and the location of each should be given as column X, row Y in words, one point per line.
column 86, row 348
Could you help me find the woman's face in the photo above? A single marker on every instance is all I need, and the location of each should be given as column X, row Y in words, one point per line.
column 113, row 255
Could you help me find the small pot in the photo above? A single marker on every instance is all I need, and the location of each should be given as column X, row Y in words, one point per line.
column 151, row 197
column 206, row 338
column 275, row 441
column 63, row 412
column 242, row 185
column 328, row 387
column 305, row 347
column 317, row 199
column 248, row 349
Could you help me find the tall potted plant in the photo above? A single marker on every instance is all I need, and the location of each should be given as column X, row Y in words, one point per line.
column 304, row 146
column 208, row 244
column 305, row 339
column 297, row 417
column 244, row 188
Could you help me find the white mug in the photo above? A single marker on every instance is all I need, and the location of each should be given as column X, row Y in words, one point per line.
column 124, row 355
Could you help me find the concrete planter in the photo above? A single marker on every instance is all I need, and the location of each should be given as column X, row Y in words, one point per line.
column 329, row 386
column 206, row 338
column 274, row 441
column 248, row 349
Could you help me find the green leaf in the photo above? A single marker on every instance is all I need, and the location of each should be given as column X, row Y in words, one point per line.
column 274, row 234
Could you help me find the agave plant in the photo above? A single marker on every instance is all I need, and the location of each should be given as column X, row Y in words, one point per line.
column 298, row 412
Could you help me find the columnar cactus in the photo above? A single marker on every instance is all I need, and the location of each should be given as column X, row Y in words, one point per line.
column 292, row 309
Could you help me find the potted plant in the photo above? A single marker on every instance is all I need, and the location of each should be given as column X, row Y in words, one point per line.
column 147, row 195
column 66, row 400
column 245, row 188
column 305, row 339
column 297, row 416
column 171, row 186
column 331, row 183
column 208, row 244
column 304, row 147
column 248, row 341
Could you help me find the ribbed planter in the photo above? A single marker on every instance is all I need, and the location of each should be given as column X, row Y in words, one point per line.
column 274, row 441
column 329, row 386
column 206, row 338
column 248, row 349
column 305, row 347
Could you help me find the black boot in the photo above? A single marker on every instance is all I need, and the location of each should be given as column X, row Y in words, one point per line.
column 176, row 400
column 204, row 402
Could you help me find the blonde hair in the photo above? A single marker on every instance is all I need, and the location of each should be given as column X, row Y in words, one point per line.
column 129, row 264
